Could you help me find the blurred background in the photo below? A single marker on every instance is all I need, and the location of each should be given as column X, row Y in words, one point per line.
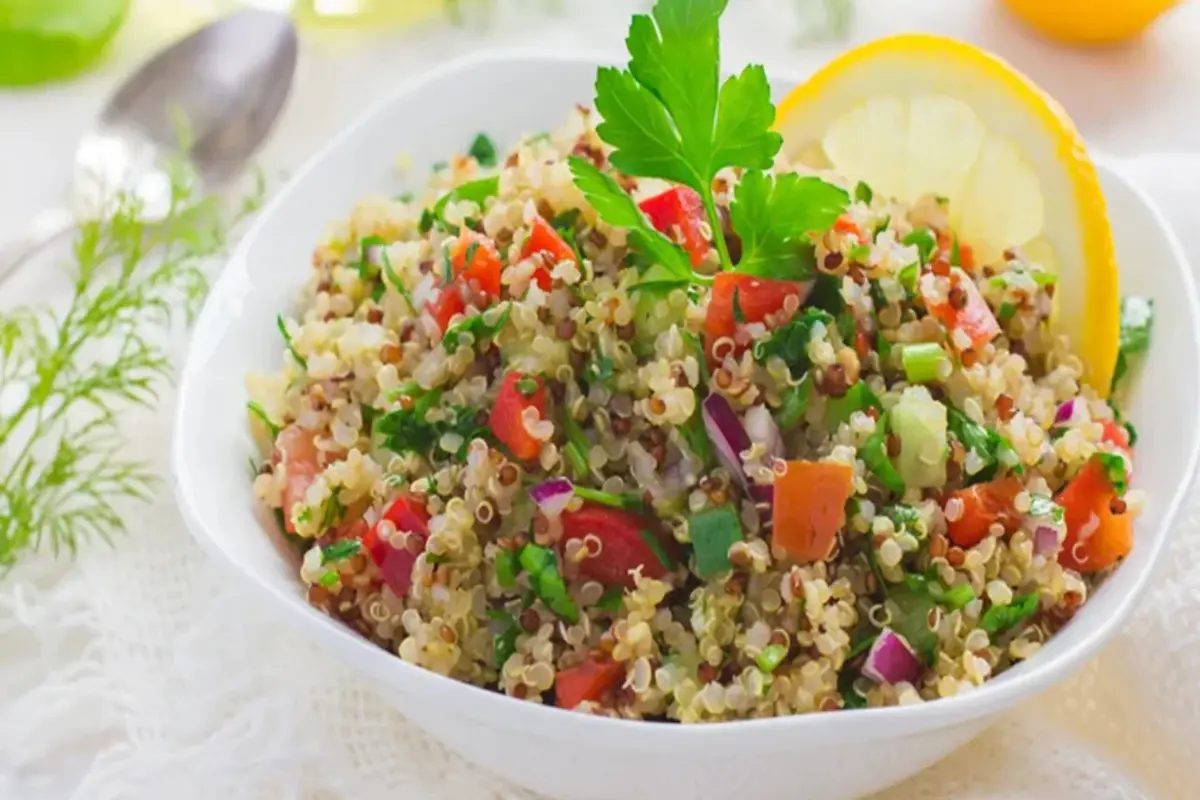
column 1132, row 93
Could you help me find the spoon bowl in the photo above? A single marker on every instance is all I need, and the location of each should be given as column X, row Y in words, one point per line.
column 211, row 98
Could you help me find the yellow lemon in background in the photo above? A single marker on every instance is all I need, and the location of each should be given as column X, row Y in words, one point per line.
column 917, row 114
column 1089, row 21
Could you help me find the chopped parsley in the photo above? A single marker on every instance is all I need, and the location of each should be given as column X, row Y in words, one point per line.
column 998, row 619
column 483, row 151
column 287, row 342
column 476, row 329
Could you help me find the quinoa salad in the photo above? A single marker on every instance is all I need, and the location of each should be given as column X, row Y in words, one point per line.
column 736, row 440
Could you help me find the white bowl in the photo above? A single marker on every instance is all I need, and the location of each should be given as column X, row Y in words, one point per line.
column 567, row 755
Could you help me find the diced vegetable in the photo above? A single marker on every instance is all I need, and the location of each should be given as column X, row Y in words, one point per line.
column 771, row 657
column 1097, row 537
column 984, row 505
column 992, row 449
column 727, row 435
column 543, row 239
column 506, row 420
column 795, row 404
column 552, row 496
column 713, row 532
column 547, row 581
column 891, row 660
column 757, row 297
column 810, row 508
column 998, row 619
column 925, row 242
column 589, row 681
column 508, row 564
column 922, row 362
column 448, row 303
column 475, row 259
column 874, row 455
column 679, row 213
column 623, row 548
column 920, row 422
column 858, row 397
column 910, row 618
column 407, row 514
column 973, row 317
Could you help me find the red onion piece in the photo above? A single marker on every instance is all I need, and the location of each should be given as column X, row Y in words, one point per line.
column 891, row 660
column 1064, row 413
column 1045, row 541
column 727, row 434
column 552, row 496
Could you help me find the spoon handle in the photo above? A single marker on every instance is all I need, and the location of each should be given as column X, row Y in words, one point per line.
column 46, row 228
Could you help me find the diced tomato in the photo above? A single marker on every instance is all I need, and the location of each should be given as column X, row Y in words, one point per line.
column 395, row 564
column 623, row 546
column 589, row 681
column 448, row 303
column 296, row 450
column 844, row 224
column 506, row 420
column 544, row 239
column 680, row 208
column 1117, row 435
column 1097, row 538
column 966, row 254
column 974, row 318
column 982, row 505
column 810, row 508
column 484, row 265
column 756, row 297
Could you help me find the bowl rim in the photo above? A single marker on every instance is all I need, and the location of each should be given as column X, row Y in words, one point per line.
column 481, row 703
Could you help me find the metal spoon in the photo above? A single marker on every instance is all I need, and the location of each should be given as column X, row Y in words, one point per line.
column 224, row 85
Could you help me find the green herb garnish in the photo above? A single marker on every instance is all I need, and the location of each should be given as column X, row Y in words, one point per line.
column 258, row 411
column 907, row 277
column 1040, row 506
column 926, row 244
column 660, row 552
column 667, row 115
column 631, row 501
column 612, row 600
column 339, row 551
column 992, row 448
column 790, row 340
column 483, row 151
column 774, row 215
column 477, row 329
column 507, row 567
column 874, row 455
column 287, row 341
column 910, row 619
column 1113, row 466
column 475, row 191
column 547, row 581
column 504, row 643
column 713, row 531
column 863, row 193
column 858, row 397
column 795, row 403
column 998, row 619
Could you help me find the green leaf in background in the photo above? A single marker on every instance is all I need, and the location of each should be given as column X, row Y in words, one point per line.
column 46, row 40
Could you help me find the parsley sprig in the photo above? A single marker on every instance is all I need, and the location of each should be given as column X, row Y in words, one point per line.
column 668, row 116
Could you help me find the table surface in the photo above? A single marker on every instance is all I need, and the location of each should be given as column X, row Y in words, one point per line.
column 1131, row 99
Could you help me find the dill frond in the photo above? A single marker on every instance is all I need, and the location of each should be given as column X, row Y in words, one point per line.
column 66, row 376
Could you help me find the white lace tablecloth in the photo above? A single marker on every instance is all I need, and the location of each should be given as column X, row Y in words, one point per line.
column 141, row 671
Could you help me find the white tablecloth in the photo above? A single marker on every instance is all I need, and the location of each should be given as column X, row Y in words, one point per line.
column 140, row 672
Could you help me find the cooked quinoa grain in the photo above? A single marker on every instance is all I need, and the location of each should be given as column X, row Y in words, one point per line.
column 504, row 461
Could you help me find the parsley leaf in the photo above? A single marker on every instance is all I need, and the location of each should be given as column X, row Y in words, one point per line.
column 475, row 191
column 669, row 263
column 790, row 340
column 925, row 242
column 863, row 193
column 773, row 215
column 668, row 116
column 998, row 619
column 287, row 341
column 483, row 151
column 1113, row 465
column 479, row 327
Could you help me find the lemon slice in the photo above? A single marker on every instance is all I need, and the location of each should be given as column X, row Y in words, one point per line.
column 917, row 114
